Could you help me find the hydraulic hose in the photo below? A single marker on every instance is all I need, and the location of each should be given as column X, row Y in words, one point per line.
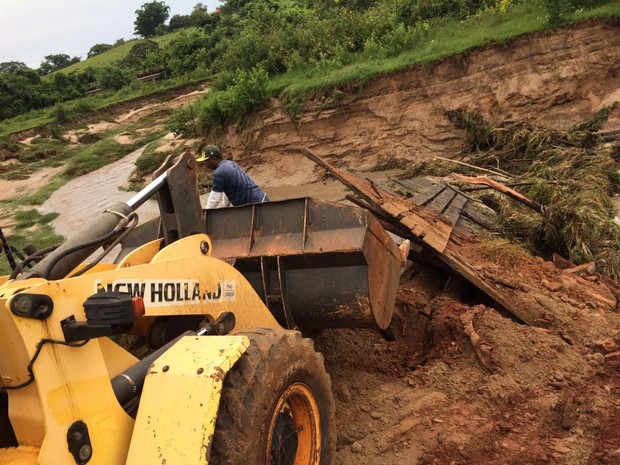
column 73, row 252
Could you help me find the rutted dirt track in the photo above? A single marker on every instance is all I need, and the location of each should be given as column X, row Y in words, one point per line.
column 424, row 398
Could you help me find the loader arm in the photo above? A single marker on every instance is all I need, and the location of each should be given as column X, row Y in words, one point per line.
column 180, row 216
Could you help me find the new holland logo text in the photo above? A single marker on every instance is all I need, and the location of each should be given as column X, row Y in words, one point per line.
column 160, row 292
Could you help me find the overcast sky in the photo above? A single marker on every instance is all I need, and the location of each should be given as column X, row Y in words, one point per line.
column 33, row 29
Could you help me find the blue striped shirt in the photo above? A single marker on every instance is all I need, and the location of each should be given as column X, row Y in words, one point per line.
column 240, row 189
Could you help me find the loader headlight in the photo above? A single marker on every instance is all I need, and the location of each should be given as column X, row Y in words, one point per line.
column 36, row 306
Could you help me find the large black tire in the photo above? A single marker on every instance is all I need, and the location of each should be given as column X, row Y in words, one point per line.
column 277, row 406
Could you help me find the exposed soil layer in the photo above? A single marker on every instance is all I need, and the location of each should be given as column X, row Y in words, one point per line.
column 556, row 78
column 419, row 393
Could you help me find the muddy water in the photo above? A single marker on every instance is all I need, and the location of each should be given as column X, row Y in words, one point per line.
column 83, row 199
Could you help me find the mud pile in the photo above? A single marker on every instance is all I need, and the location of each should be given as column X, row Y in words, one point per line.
column 426, row 398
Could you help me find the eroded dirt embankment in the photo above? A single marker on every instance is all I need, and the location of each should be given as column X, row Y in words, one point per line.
column 555, row 78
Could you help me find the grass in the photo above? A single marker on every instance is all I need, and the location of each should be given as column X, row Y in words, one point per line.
column 502, row 252
column 115, row 54
column 571, row 175
column 445, row 37
column 43, row 193
column 40, row 234
column 103, row 152
column 84, row 108
column 28, row 218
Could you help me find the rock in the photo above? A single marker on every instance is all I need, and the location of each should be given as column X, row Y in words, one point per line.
column 344, row 440
column 595, row 359
column 546, row 303
column 605, row 346
column 583, row 269
column 357, row 447
column 344, row 394
column 551, row 286
column 558, row 261
column 560, row 448
column 375, row 415
column 559, row 376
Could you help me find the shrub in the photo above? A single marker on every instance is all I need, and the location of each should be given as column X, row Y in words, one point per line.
column 114, row 77
column 182, row 121
column 248, row 93
column 557, row 11
column 61, row 115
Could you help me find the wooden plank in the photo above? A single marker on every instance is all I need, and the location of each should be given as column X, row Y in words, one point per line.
column 388, row 222
column 484, row 218
column 466, row 226
column 453, row 258
column 440, row 203
column 434, row 235
column 427, row 226
column 415, row 185
column 396, row 209
column 429, row 194
column 453, row 212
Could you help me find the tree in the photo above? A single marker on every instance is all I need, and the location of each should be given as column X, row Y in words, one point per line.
column 138, row 53
column 55, row 62
column 113, row 77
column 180, row 22
column 11, row 66
column 21, row 91
column 149, row 17
column 200, row 15
column 98, row 49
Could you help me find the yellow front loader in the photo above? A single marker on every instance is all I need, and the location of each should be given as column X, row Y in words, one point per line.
column 219, row 298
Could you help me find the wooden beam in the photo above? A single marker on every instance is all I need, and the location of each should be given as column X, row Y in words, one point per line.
column 422, row 224
column 498, row 186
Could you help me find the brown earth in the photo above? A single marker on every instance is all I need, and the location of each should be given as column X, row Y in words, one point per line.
column 419, row 394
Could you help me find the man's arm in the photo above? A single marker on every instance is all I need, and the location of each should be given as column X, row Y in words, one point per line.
column 217, row 190
column 214, row 200
column 225, row 202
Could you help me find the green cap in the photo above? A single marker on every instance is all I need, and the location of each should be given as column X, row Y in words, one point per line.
column 210, row 151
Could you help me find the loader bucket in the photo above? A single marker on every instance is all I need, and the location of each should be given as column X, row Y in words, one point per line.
column 316, row 264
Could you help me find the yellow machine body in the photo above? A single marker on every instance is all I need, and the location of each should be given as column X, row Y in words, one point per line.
column 71, row 396
column 73, row 383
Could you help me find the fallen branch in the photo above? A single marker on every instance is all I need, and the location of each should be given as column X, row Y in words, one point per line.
column 613, row 354
column 501, row 173
column 500, row 188
column 579, row 270
column 483, row 350
column 510, row 184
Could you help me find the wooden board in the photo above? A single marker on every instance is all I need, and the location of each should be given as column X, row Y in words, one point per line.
column 424, row 226
column 414, row 185
column 429, row 194
column 440, row 203
column 453, row 212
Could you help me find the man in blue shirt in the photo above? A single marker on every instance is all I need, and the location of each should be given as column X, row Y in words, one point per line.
column 230, row 183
